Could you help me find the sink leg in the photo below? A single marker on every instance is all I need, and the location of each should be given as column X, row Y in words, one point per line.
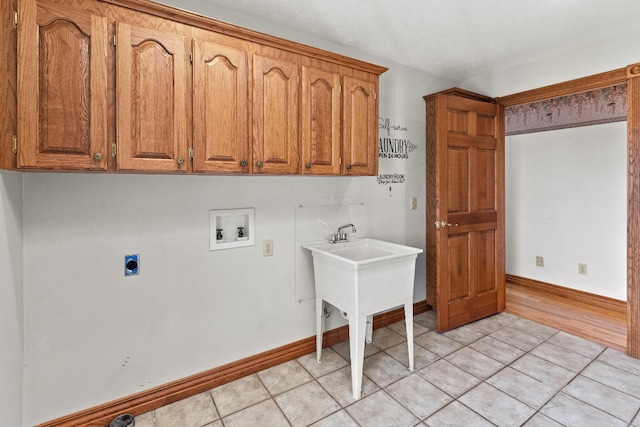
column 369, row 329
column 357, row 331
column 319, row 320
column 408, row 318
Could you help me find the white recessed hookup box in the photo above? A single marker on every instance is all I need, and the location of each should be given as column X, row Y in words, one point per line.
column 231, row 228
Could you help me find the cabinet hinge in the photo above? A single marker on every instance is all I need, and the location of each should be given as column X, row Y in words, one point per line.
column 190, row 58
column 15, row 144
column 114, row 40
column 114, row 149
column 375, row 95
column 191, row 153
column 15, row 19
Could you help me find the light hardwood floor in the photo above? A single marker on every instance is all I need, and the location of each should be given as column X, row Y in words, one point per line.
column 603, row 326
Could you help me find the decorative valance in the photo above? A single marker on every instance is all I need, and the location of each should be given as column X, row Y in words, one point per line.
column 593, row 107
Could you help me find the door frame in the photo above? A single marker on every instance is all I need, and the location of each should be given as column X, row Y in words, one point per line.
column 631, row 76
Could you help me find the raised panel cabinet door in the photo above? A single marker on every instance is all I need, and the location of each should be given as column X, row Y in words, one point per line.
column 320, row 122
column 220, row 107
column 360, row 127
column 151, row 99
column 465, row 204
column 275, row 115
column 62, row 88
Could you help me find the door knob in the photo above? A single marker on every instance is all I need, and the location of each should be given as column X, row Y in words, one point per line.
column 443, row 224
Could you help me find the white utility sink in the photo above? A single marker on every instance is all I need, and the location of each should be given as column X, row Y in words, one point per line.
column 363, row 277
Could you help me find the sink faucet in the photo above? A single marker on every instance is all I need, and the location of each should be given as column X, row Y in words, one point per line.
column 340, row 236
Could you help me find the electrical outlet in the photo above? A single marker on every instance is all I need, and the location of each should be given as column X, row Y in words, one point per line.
column 539, row 261
column 131, row 265
column 414, row 203
column 582, row 268
column 267, row 247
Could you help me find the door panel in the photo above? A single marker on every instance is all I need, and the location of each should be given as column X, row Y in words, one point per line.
column 485, row 184
column 486, row 126
column 151, row 101
column 62, row 88
column 458, row 122
column 320, row 122
column 360, row 127
column 466, row 237
column 458, row 282
column 458, row 179
column 486, row 261
column 220, row 105
column 275, row 115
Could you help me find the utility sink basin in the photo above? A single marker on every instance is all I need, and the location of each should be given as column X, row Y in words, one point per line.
column 361, row 251
column 363, row 277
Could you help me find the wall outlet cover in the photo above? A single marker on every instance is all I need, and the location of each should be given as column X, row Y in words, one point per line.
column 582, row 268
column 267, row 247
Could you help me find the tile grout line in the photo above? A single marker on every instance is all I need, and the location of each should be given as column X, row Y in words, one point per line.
column 483, row 381
column 567, row 347
column 595, row 359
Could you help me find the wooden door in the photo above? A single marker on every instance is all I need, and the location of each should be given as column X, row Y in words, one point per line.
column 360, row 127
column 62, row 88
column 220, row 105
column 151, row 98
column 465, row 237
column 276, row 85
column 320, row 122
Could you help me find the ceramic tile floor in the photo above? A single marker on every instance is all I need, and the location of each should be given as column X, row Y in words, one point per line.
column 502, row 371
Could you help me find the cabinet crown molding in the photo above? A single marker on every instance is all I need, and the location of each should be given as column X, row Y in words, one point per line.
column 211, row 24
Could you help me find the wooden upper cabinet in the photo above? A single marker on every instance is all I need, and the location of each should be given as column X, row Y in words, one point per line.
column 122, row 85
column 275, row 115
column 220, row 104
column 360, row 127
column 320, row 122
column 62, row 88
column 151, row 98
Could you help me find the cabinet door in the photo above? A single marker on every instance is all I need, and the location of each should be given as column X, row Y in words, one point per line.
column 220, row 106
column 275, row 115
column 320, row 122
column 151, row 99
column 360, row 127
column 62, row 88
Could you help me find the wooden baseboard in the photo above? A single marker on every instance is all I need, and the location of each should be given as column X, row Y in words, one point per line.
column 139, row 403
column 570, row 294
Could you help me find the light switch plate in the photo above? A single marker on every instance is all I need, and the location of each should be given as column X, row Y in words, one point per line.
column 414, row 203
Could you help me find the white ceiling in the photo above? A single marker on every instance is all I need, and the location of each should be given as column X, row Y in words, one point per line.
column 451, row 38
